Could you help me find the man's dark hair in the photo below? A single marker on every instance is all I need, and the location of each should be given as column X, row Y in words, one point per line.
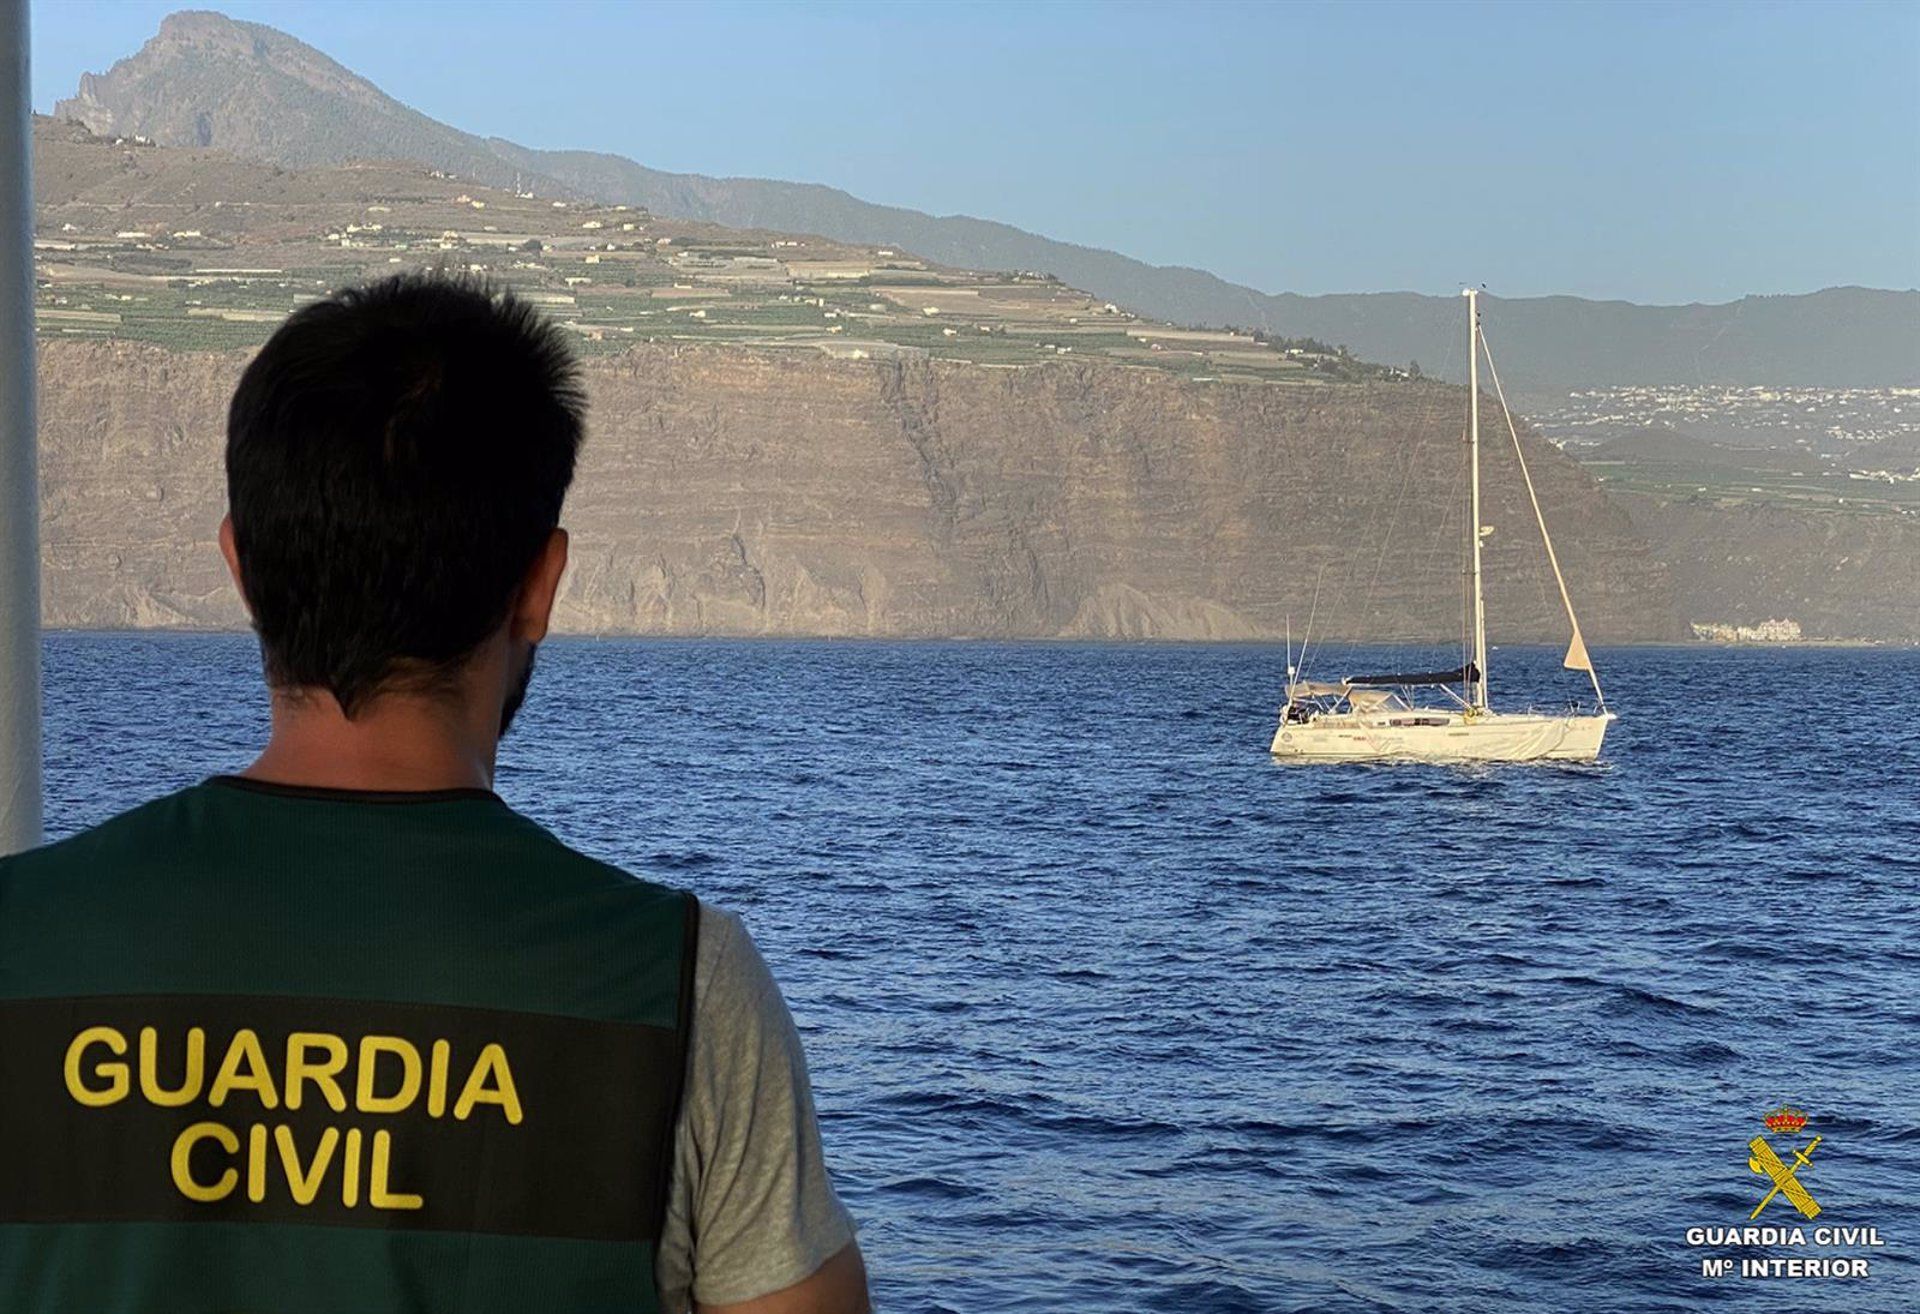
column 397, row 455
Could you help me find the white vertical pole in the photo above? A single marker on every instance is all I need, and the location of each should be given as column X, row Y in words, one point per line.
column 1473, row 401
column 19, row 490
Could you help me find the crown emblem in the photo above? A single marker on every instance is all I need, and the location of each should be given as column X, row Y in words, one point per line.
column 1787, row 1121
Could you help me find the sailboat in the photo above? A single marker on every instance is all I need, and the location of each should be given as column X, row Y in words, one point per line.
column 1374, row 718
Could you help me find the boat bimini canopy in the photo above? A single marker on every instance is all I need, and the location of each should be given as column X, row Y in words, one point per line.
column 1370, row 690
column 1462, row 675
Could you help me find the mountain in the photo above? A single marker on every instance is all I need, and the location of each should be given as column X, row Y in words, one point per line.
column 770, row 452
column 209, row 80
column 774, row 453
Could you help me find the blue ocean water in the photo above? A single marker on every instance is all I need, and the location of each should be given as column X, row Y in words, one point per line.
column 1109, row 1011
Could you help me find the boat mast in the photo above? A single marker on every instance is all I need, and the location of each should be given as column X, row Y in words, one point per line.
column 1479, row 689
column 19, row 503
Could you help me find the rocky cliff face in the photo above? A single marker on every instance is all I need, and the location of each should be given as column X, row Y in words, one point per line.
column 1840, row 574
column 731, row 491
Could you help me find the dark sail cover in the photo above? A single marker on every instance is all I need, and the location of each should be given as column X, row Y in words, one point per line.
column 1462, row 675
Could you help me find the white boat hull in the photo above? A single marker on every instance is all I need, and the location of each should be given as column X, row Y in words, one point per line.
column 1433, row 735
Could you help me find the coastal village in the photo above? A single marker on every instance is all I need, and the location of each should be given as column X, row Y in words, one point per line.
column 1851, row 449
column 1818, row 419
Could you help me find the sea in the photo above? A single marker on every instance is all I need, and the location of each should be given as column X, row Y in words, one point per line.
column 1107, row 1010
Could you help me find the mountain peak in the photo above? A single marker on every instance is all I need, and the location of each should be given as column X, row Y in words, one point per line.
column 205, row 34
column 209, row 24
column 209, row 80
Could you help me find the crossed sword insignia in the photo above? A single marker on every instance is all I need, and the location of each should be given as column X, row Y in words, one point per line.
column 1764, row 1160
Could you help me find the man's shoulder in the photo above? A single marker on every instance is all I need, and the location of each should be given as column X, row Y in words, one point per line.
column 591, row 869
column 722, row 933
column 728, row 968
column 200, row 824
column 134, row 834
column 734, row 987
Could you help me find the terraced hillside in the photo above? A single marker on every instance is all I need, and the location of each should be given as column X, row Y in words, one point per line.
column 197, row 249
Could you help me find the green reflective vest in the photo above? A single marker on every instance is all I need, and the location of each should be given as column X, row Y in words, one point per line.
column 276, row 1049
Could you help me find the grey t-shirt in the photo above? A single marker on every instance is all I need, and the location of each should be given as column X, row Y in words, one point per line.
column 750, row 1209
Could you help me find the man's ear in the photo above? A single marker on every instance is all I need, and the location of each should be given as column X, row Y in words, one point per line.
column 232, row 554
column 533, row 611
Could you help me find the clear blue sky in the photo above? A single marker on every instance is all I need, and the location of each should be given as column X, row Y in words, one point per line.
column 1651, row 152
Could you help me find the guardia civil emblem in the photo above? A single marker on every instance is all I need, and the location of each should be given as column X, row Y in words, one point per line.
column 1787, row 1123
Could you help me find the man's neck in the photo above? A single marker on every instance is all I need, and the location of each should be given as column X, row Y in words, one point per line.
column 397, row 743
